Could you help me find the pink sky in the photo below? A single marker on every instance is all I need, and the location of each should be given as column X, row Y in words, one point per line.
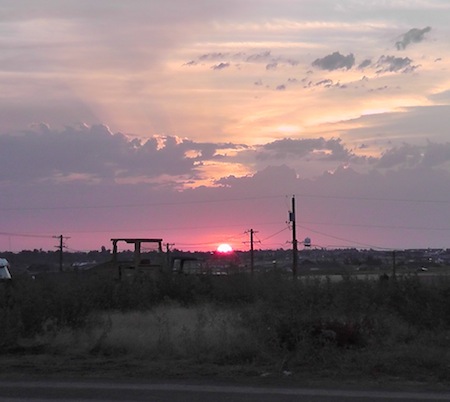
column 198, row 121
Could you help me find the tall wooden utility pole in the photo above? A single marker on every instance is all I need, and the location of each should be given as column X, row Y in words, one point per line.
column 252, row 250
column 60, row 248
column 294, row 240
column 252, row 254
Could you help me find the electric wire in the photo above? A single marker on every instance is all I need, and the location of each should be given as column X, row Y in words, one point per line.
column 222, row 200
column 26, row 235
column 359, row 198
column 138, row 205
column 273, row 235
column 343, row 239
column 359, row 225
column 396, row 227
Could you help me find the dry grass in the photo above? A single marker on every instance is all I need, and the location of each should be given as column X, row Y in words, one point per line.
column 201, row 333
column 354, row 328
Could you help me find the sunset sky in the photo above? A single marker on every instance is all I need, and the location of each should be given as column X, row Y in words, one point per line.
column 198, row 120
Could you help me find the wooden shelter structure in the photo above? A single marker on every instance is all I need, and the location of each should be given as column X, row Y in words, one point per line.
column 138, row 261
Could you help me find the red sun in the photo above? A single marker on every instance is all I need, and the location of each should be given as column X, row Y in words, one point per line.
column 224, row 248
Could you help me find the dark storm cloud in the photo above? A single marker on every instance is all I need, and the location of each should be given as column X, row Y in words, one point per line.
column 335, row 61
column 414, row 35
column 95, row 153
column 281, row 87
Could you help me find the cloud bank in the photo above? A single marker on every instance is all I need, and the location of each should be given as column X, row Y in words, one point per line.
column 92, row 184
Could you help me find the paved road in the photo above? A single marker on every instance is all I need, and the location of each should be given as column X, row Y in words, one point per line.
column 45, row 391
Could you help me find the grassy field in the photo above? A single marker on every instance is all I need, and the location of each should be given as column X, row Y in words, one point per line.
column 262, row 326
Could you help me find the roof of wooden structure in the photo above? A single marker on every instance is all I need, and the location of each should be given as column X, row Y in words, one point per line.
column 138, row 240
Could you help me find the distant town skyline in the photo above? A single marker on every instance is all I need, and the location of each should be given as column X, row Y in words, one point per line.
column 196, row 121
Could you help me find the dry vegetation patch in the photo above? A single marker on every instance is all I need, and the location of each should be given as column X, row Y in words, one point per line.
column 263, row 325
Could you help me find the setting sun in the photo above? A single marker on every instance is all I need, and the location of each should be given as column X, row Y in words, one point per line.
column 224, row 248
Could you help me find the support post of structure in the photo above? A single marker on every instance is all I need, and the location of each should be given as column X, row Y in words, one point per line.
column 168, row 262
column 137, row 253
column 115, row 260
column 394, row 264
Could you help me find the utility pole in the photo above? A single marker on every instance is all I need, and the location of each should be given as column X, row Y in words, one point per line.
column 294, row 239
column 252, row 254
column 60, row 247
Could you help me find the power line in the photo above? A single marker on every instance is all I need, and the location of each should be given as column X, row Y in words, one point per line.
column 137, row 205
column 170, row 229
column 196, row 244
column 375, row 226
column 161, row 229
column 359, row 198
column 167, row 229
column 25, row 235
column 222, row 200
column 272, row 235
column 343, row 239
